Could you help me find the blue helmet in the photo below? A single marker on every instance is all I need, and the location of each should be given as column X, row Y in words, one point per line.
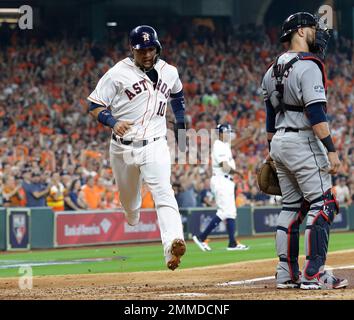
column 226, row 127
column 144, row 37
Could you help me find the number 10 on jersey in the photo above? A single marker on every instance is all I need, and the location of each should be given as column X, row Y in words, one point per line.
column 162, row 109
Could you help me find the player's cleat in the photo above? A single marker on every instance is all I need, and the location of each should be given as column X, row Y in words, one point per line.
column 202, row 245
column 177, row 250
column 290, row 284
column 239, row 247
column 325, row 280
column 133, row 218
column 206, row 246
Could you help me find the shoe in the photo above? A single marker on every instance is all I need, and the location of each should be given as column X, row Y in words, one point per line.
column 290, row 284
column 133, row 218
column 325, row 280
column 239, row 247
column 177, row 250
column 202, row 245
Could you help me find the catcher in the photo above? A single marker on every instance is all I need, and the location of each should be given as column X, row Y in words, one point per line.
column 304, row 155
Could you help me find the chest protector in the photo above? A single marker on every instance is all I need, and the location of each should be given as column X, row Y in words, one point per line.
column 280, row 70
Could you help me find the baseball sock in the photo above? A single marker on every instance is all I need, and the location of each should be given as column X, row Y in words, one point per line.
column 230, row 227
column 213, row 223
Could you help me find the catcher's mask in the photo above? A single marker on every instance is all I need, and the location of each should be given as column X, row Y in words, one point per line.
column 306, row 19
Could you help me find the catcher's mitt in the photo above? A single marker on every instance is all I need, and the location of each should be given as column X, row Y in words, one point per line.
column 268, row 180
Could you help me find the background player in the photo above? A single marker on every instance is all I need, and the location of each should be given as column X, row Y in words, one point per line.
column 303, row 151
column 223, row 187
column 131, row 98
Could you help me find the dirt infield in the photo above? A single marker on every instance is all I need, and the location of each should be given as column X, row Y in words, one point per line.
column 196, row 283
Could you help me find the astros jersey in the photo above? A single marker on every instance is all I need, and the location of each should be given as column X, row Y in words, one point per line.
column 131, row 96
column 303, row 85
column 222, row 153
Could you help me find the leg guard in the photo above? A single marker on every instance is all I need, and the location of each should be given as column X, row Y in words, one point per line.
column 288, row 243
column 322, row 215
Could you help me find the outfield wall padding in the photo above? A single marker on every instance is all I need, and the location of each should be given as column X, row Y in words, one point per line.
column 2, row 229
column 351, row 217
column 42, row 228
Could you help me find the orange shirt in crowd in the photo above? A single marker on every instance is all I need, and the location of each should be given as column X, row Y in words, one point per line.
column 92, row 196
column 147, row 201
column 15, row 200
column 241, row 200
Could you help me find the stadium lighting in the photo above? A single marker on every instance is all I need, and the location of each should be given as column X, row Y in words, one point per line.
column 112, row 24
column 9, row 10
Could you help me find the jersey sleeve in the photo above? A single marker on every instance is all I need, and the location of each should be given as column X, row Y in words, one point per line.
column 177, row 86
column 264, row 89
column 312, row 87
column 104, row 92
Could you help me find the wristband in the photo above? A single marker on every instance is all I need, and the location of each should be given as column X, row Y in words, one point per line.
column 328, row 143
column 106, row 118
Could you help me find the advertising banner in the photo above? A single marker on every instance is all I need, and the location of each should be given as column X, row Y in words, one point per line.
column 18, row 229
column 90, row 228
column 200, row 219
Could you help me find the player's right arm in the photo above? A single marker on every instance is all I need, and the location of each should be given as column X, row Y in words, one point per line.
column 104, row 116
column 100, row 99
column 314, row 97
column 270, row 116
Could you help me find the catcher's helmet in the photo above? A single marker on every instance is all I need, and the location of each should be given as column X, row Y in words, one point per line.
column 224, row 128
column 144, row 37
column 296, row 21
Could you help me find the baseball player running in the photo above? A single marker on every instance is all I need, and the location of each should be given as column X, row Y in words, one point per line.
column 131, row 98
column 302, row 149
column 223, row 187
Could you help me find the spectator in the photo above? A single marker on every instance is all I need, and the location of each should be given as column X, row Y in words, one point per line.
column 257, row 198
column 73, row 201
column 13, row 194
column 147, row 199
column 91, row 194
column 186, row 197
column 341, row 192
column 57, row 192
column 241, row 200
column 206, row 196
column 111, row 199
column 36, row 191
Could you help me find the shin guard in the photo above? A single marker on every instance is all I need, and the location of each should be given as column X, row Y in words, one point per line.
column 317, row 234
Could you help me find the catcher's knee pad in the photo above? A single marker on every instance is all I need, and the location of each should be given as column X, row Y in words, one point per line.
column 327, row 204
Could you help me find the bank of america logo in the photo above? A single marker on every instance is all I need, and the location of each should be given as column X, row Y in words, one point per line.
column 105, row 225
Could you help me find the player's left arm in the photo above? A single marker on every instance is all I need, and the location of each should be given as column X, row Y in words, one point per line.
column 178, row 107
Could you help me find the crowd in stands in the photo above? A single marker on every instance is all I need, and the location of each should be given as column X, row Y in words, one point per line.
column 53, row 153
